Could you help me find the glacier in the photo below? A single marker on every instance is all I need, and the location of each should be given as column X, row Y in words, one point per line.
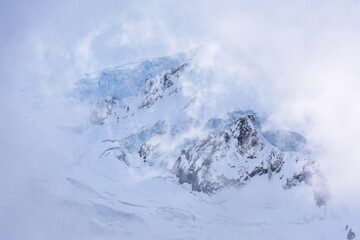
column 152, row 161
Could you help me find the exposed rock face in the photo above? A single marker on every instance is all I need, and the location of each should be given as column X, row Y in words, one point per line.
column 351, row 234
column 152, row 91
column 239, row 153
column 156, row 87
column 246, row 134
column 229, row 157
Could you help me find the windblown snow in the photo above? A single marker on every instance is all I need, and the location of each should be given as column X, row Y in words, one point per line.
column 152, row 161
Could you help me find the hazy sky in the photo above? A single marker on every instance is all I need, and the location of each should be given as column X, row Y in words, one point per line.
column 301, row 57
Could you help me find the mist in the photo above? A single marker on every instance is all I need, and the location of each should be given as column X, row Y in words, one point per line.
column 296, row 63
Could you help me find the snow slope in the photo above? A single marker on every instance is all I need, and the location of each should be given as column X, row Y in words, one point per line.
column 144, row 166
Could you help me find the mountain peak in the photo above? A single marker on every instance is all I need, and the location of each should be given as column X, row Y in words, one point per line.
column 150, row 97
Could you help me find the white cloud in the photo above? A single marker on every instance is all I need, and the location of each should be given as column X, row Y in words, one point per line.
column 297, row 62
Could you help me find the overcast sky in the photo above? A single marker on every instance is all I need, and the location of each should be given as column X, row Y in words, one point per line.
column 304, row 57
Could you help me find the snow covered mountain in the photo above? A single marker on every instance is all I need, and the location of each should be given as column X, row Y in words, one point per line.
column 229, row 151
column 157, row 162
column 148, row 113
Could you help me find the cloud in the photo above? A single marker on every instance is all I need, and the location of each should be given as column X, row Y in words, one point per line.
column 295, row 62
